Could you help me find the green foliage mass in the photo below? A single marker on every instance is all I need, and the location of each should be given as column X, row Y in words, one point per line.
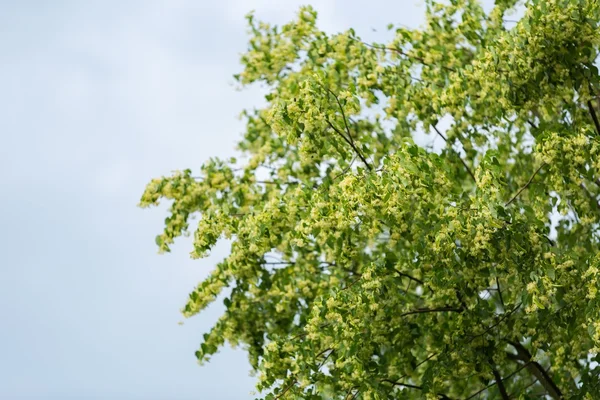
column 364, row 266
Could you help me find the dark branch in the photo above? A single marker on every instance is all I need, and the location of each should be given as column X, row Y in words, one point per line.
column 286, row 389
column 402, row 52
column 431, row 310
column 505, row 316
column 500, row 384
column 459, row 157
column 500, row 294
column 408, row 385
column 536, row 369
column 412, row 278
column 594, row 116
column 348, row 139
column 351, row 143
column 526, row 185
column 590, row 195
column 496, row 382
column 532, row 124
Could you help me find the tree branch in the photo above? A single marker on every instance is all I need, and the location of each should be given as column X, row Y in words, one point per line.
column 526, row 185
column 594, row 116
column 536, row 369
column 505, row 316
column 496, row 382
column 431, row 310
column 351, row 143
column 402, row 52
column 412, row 278
column 500, row 384
column 349, row 139
column 286, row 389
column 459, row 157
column 408, row 385
column 532, row 124
column 500, row 294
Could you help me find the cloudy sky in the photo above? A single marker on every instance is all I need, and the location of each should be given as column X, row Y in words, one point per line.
column 98, row 97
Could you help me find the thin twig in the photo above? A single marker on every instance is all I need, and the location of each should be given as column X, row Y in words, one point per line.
column 431, row 310
column 402, row 52
column 412, row 278
column 350, row 139
column 408, row 385
column 536, row 369
column 495, row 382
column 286, row 389
column 505, row 316
column 459, row 157
column 500, row 294
column 351, row 143
column 526, row 185
column 532, row 124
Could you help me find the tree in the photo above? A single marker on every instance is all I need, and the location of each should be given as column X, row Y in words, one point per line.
column 363, row 266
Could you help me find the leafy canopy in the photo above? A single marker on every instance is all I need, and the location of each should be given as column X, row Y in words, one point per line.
column 364, row 266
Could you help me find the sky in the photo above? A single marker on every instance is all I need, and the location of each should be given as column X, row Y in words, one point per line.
column 96, row 98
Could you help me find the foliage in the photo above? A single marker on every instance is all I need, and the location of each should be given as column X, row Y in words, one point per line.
column 363, row 266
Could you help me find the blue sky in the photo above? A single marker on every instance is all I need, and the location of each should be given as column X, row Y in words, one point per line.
column 97, row 98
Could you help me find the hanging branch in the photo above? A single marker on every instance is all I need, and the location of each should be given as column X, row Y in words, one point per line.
column 459, row 157
column 295, row 380
column 526, row 185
